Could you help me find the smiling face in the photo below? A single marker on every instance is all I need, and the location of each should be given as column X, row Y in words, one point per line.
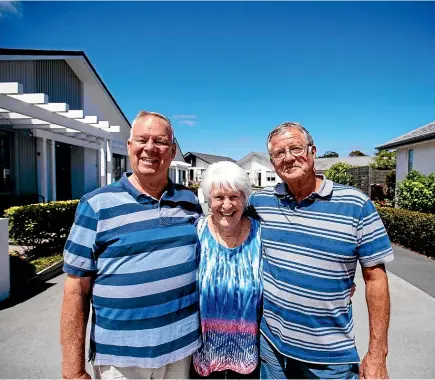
column 289, row 168
column 227, row 206
column 150, row 147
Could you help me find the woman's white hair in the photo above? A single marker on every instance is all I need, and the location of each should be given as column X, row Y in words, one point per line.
column 226, row 174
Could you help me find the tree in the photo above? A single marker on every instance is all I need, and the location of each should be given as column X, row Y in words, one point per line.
column 357, row 153
column 329, row 154
column 339, row 173
column 417, row 192
column 384, row 160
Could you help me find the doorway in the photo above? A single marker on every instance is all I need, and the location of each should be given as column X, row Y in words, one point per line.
column 63, row 171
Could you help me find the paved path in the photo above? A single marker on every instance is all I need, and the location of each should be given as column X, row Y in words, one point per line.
column 29, row 330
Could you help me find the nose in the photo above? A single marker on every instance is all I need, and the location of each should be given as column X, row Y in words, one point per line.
column 150, row 145
column 227, row 205
column 288, row 156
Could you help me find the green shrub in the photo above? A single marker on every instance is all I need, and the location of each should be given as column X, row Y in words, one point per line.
column 417, row 192
column 42, row 227
column 339, row 173
column 412, row 229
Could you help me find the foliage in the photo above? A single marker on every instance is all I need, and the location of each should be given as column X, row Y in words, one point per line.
column 339, row 173
column 43, row 227
column 384, row 159
column 329, row 154
column 417, row 192
column 357, row 153
column 412, row 229
column 44, row 262
column 194, row 187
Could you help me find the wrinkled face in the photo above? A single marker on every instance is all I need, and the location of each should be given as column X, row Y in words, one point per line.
column 150, row 148
column 227, row 206
column 290, row 168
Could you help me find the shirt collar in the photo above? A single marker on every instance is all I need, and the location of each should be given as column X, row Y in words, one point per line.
column 135, row 193
column 325, row 189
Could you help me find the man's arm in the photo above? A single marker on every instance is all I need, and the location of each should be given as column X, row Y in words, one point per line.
column 74, row 318
column 374, row 366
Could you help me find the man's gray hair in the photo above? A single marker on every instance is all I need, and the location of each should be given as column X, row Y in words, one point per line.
column 284, row 127
column 226, row 174
column 143, row 114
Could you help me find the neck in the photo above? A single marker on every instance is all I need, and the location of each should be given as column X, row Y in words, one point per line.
column 302, row 188
column 148, row 185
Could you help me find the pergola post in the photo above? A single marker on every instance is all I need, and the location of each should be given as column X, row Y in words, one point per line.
column 44, row 170
column 109, row 165
column 102, row 162
column 53, row 169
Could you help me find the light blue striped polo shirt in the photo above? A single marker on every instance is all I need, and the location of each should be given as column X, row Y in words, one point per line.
column 311, row 250
column 142, row 253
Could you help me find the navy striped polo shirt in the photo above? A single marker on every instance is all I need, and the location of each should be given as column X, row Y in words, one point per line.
column 311, row 250
column 141, row 252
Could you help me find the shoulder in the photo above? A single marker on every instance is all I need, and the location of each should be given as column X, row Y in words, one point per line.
column 348, row 194
column 261, row 196
column 182, row 193
column 102, row 195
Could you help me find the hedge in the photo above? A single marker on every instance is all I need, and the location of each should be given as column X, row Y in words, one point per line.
column 411, row 229
column 44, row 225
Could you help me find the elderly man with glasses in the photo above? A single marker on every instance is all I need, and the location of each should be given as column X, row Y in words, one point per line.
column 132, row 253
column 314, row 232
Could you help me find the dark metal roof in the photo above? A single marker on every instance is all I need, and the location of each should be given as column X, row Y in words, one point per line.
column 76, row 53
column 424, row 133
column 210, row 158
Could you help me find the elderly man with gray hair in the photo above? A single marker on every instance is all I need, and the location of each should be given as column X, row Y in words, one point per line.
column 314, row 232
column 132, row 253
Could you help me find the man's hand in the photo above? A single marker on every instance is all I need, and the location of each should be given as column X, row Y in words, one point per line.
column 373, row 367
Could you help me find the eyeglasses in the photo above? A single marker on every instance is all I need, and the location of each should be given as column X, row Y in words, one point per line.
column 160, row 144
column 295, row 151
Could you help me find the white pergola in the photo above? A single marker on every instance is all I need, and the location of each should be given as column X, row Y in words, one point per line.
column 56, row 122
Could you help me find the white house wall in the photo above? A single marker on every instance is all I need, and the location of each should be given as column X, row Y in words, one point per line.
column 261, row 165
column 424, row 159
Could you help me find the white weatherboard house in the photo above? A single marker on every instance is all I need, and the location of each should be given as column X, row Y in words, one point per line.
column 415, row 151
column 199, row 163
column 62, row 134
column 260, row 169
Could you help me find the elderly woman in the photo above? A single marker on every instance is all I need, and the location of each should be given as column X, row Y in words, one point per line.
column 229, row 273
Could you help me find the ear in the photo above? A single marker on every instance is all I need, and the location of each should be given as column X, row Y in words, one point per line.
column 173, row 151
column 128, row 145
column 313, row 151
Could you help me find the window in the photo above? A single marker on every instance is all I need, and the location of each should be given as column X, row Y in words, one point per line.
column 410, row 160
column 119, row 166
column 270, row 176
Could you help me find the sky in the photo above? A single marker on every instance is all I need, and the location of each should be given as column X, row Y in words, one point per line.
column 355, row 74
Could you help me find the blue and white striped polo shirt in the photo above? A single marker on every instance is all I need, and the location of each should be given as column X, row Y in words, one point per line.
column 311, row 250
column 142, row 253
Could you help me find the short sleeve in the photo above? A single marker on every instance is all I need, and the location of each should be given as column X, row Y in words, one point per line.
column 79, row 258
column 373, row 244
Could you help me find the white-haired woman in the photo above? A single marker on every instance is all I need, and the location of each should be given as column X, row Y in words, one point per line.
column 229, row 275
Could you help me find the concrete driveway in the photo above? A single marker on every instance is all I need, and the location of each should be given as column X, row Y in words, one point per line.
column 29, row 330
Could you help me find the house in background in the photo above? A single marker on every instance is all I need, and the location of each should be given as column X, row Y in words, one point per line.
column 415, row 151
column 323, row 164
column 178, row 171
column 199, row 162
column 260, row 169
column 62, row 134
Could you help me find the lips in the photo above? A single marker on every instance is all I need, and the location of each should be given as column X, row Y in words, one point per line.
column 228, row 214
column 149, row 161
